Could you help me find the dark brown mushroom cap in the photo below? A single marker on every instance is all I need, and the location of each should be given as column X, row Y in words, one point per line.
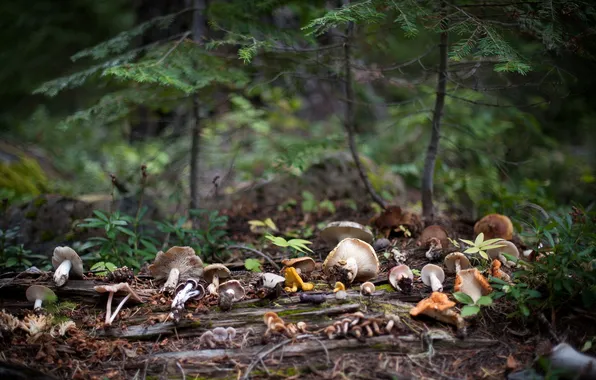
column 434, row 231
column 182, row 258
column 39, row 292
column 66, row 253
column 494, row 226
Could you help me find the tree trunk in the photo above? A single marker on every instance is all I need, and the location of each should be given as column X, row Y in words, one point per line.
column 349, row 119
column 428, row 211
column 198, row 32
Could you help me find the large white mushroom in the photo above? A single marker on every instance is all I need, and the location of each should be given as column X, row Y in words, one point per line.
column 335, row 232
column 508, row 248
column 352, row 260
column 472, row 282
column 433, row 276
column 66, row 261
column 177, row 264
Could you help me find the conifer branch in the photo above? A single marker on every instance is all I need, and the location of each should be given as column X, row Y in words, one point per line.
column 529, row 105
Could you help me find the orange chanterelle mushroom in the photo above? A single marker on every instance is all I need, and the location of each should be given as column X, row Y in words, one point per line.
column 439, row 307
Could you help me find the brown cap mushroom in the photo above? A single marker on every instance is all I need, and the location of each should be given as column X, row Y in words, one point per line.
column 335, row 232
column 233, row 287
column 367, row 288
column 436, row 232
column 472, row 282
column 433, row 276
column 393, row 217
column 456, row 261
column 494, row 226
column 399, row 272
column 178, row 263
column 38, row 294
column 438, row 306
column 302, row 264
column 212, row 273
column 352, row 260
column 112, row 289
column 65, row 260
column 506, row 247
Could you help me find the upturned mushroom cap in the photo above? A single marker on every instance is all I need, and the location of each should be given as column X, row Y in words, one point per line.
column 507, row 248
column 39, row 292
column 472, row 282
column 215, row 269
column 337, row 231
column 339, row 286
column 115, row 288
column 494, row 226
column 66, row 253
column 431, row 232
column 182, row 258
column 428, row 270
column 302, row 264
column 367, row 288
column 270, row 280
column 438, row 306
column 235, row 286
column 351, row 252
column 451, row 258
column 397, row 272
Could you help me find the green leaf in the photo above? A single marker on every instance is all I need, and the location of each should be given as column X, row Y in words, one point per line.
column 463, row 298
column 269, row 223
column 469, row 310
column 483, row 254
column 484, row 301
column 586, row 346
column 479, row 239
column 472, row 250
column 491, row 241
column 487, row 247
column 252, row 265
column 468, row 242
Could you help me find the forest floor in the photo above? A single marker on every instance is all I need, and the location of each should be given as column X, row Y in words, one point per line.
column 143, row 343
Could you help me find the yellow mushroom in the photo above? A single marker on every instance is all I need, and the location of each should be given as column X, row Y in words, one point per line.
column 294, row 282
column 339, row 286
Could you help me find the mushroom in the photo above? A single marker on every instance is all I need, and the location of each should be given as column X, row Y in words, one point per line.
column 401, row 278
column 335, row 232
column 303, row 265
column 212, row 273
column 65, row 260
column 472, row 283
column 367, row 289
column 293, row 281
column 270, row 280
column 191, row 289
column 494, row 226
column 506, row 247
column 577, row 365
column 352, row 260
column 456, row 261
column 178, row 263
column 435, row 231
column 393, row 217
column 230, row 292
column 381, row 244
column 495, row 271
column 439, row 307
column 220, row 334
column 38, row 294
column 341, row 295
column 433, row 276
column 121, row 287
column 339, row 286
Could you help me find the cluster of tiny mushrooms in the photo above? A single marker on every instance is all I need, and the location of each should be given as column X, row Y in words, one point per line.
column 353, row 260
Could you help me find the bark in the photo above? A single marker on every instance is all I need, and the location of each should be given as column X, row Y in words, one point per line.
column 349, row 118
column 199, row 30
column 428, row 211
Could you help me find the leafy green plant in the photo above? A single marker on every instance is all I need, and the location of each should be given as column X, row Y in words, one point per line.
column 103, row 268
column 311, row 205
column 470, row 307
column 299, row 245
column 480, row 246
column 262, row 226
column 519, row 294
column 252, row 265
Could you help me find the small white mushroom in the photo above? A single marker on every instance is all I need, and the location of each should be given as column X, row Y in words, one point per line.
column 397, row 273
column 508, row 248
column 433, row 276
column 270, row 280
column 66, row 261
column 456, row 261
column 213, row 273
column 112, row 289
column 367, row 289
column 38, row 294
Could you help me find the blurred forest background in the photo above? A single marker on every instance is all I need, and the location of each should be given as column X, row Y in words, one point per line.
column 94, row 88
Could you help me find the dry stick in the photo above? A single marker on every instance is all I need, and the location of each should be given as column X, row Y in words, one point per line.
column 433, row 146
column 256, row 252
column 260, row 357
column 349, row 117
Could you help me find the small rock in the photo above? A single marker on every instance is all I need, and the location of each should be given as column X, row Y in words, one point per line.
column 381, row 244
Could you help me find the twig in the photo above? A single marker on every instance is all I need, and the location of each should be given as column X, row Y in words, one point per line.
column 173, row 48
column 256, row 252
column 497, row 105
column 181, row 370
column 260, row 357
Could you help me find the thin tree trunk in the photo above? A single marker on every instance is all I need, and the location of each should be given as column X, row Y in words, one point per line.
column 428, row 211
column 349, row 119
column 198, row 32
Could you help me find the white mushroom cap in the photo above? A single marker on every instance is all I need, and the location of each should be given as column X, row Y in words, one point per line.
column 115, row 288
column 38, row 294
column 66, row 253
column 356, row 257
column 337, row 231
column 397, row 272
column 212, row 270
column 270, row 280
column 367, row 288
column 234, row 286
column 302, row 264
column 220, row 334
column 450, row 262
column 508, row 248
column 433, row 276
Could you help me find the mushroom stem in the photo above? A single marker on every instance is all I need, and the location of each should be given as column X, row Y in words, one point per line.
column 435, row 283
column 181, row 296
column 37, row 304
column 172, row 281
column 457, row 266
column 352, row 268
column 61, row 274
column 118, row 308
column 109, row 309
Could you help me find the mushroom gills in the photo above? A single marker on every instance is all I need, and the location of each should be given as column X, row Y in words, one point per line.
column 61, row 274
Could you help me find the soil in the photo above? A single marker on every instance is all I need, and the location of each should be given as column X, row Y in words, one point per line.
column 145, row 343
